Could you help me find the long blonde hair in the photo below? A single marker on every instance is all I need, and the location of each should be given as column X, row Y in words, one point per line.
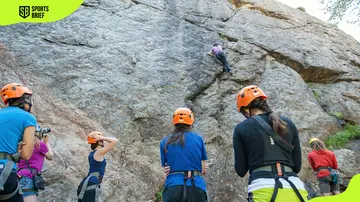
column 318, row 145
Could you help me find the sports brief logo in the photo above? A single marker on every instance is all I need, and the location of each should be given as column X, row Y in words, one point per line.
column 24, row 11
column 36, row 11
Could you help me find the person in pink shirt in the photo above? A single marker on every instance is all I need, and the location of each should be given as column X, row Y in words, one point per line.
column 27, row 169
column 218, row 52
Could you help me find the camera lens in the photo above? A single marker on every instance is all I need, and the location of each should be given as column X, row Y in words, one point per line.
column 46, row 130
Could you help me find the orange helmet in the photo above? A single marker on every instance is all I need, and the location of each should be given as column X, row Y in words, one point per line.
column 13, row 90
column 184, row 116
column 247, row 95
column 91, row 139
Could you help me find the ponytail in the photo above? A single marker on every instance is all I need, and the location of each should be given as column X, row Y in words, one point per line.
column 279, row 126
column 178, row 135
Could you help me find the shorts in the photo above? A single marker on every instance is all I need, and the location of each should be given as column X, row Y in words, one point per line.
column 27, row 186
column 326, row 185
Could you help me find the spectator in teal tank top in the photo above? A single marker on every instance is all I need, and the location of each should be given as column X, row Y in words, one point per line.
column 183, row 156
column 88, row 189
column 16, row 138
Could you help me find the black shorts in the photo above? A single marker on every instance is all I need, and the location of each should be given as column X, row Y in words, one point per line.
column 175, row 194
column 327, row 186
column 10, row 186
column 89, row 195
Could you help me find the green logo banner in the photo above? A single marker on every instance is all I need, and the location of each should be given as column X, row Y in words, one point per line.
column 36, row 11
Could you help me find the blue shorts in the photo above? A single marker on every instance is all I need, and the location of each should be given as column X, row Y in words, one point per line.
column 27, row 183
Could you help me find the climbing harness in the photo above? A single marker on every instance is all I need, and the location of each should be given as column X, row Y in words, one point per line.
column 5, row 173
column 95, row 187
column 276, row 170
column 335, row 175
column 188, row 175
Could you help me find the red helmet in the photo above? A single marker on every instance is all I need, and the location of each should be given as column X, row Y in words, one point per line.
column 247, row 95
column 183, row 116
column 13, row 90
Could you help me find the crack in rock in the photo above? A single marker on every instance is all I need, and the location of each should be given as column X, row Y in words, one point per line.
column 91, row 4
column 239, row 3
column 202, row 88
column 354, row 63
column 351, row 96
column 227, row 37
column 79, row 44
column 151, row 6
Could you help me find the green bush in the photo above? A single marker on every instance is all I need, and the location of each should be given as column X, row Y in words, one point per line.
column 350, row 132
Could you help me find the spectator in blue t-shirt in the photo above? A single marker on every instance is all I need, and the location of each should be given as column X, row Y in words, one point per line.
column 183, row 156
column 17, row 135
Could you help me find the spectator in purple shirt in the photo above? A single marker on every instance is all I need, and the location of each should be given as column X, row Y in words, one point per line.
column 218, row 52
column 33, row 166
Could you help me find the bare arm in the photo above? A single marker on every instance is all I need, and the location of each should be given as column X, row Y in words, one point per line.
column 211, row 52
column 49, row 155
column 100, row 153
column 28, row 143
column 204, row 167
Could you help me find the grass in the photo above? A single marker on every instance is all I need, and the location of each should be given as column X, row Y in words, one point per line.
column 350, row 132
column 338, row 115
column 158, row 195
column 316, row 95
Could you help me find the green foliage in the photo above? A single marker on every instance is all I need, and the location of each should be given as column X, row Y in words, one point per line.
column 338, row 115
column 316, row 96
column 302, row 9
column 340, row 8
column 158, row 195
column 350, row 132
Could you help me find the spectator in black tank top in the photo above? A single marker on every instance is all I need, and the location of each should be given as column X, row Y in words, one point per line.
column 88, row 189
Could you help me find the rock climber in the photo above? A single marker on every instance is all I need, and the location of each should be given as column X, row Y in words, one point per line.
column 268, row 147
column 218, row 52
column 88, row 190
column 183, row 156
column 323, row 162
column 16, row 138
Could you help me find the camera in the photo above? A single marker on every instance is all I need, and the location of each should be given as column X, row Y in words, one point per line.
column 42, row 132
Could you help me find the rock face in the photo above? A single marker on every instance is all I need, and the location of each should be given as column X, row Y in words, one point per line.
column 123, row 67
